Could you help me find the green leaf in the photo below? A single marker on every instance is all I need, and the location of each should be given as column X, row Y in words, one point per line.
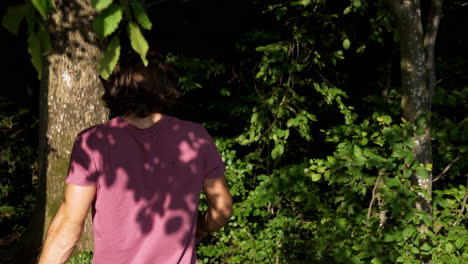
column 410, row 231
column 390, row 237
column 452, row 235
column 13, row 17
column 422, row 172
column 364, row 141
column 426, row 247
column 110, row 58
column 39, row 45
column 346, row 44
column 420, row 125
column 420, row 121
column 108, row 21
column 315, row 176
column 140, row 14
column 399, row 153
column 385, row 119
column 44, row 37
column 292, row 122
column 100, row 5
column 357, row 151
column 361, row 49
column 347, row 10
column 331, row 160
column 392, row 182
column 305, row 2
column 429, row 166
column 426, row 218
column 409, row 157
column 420, row 131
column 459, row 243
column 377, row 260
column 34, row 49
column 357, row 3
column 138, row 41
column 300, row 197
column 449, row 247
column 277, row 151
column 410, row 144
column 43, row 6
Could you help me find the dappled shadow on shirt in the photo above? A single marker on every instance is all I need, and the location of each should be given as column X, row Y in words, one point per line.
column 148, row 184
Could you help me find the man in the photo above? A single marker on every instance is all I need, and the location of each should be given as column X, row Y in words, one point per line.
column 141, row 173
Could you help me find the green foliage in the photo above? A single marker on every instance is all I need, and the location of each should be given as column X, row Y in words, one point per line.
column 84, row 257
column 194, row 70
column 17, row 158
column 140, row 15
column 13, row 18
column 43, row 6
column 113, row 16
column 108, row 20
column 350, row 199
column 110, row 58
column 39, row 44
column 100, row 5
column 138, row 41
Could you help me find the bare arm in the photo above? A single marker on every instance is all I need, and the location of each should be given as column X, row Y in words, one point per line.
column 219, row 207
column 65, row 230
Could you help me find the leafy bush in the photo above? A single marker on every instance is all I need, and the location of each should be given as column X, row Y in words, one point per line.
column 84, row 257
column 17, row 157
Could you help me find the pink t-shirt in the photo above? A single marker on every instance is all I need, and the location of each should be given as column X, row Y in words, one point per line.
column 148, row 186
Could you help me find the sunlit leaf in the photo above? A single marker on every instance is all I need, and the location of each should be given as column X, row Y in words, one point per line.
column 108, row 21
column 140, row 15
column 138, row 41
column 110, row 58
column 422, row 172
column 346, row 44
column 100, row 5
column 43, row 6
column 277, row 151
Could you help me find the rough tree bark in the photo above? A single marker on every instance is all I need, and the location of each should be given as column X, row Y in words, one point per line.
column 69, row 103
column 418, row 81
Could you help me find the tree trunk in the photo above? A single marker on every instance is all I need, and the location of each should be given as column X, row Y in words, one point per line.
column 418, row 81
column 69, row 103
column 416, row 97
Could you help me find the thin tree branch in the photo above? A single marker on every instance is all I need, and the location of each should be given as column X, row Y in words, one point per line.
column 374, row 194
column 325, row 79
column 446, row 168
column 462, row 210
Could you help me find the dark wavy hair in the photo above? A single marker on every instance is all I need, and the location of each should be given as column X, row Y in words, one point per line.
column 135, row 89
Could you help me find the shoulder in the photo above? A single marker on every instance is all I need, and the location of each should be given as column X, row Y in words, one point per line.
column 95, row 132
column 177, row 125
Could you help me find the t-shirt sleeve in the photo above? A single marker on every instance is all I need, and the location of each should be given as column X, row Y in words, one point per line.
column 82, row 170
column 213, row 164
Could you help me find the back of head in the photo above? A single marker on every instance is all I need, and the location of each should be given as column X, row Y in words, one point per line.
column 136, row 89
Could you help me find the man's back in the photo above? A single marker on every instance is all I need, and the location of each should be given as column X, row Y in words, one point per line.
column 141, row 173
column 148, row 185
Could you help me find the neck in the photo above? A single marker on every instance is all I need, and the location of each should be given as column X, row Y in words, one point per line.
column 143, row 122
